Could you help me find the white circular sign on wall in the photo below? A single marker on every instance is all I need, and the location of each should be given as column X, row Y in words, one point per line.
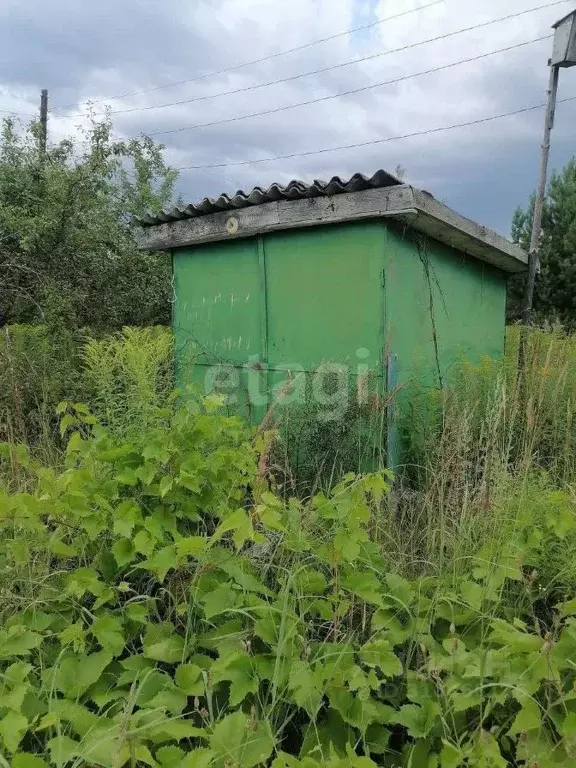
column 232, row 225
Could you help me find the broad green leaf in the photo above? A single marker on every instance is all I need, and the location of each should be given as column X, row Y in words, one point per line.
column 487, row 752
column 150, row 683
column 103, row 746
column 365, row 585
column 568, row 608
column 528, row 719
column 309, row 582
column 379, row 653
column 192, row 546
column 138, row 612
column 18, row 641
column 61, row 549
column 241, row 674
column 144, row 543
column 360, row 712
column 163, row 644
column 419, row 721
column 161, row 562
column 73, row 675
column 451, row 756
column 306, row 686
column 13, row 699
column 143, row 755
column 147, row 472
column 127, row 477
column 109, row 632
column 38, row 621
column 74, row 635
column 515, row 640
column 219, row 601
column 238, row 740
column 66, row 422
column 327, row 736
column 115, row 454
column 123, row 551
column 26, row 760
column 170, row 757
column 272, row 518
column 472, row 593
column 80, row 718
column 17, row 672
column 188, row 677
column 13, row 726
column 400, row 589
column 171, row 699
column 198, row 758
column 47, row 721
column 460, row 701
column 165, row 485
column 173, row 730
column 377, row 739
column 240, row 523
column 135, row 668
column 126, row 516
column 568, row 728
column 63, row 749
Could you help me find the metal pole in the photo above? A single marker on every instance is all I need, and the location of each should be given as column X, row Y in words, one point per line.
column 43, row 124
column 533, row 260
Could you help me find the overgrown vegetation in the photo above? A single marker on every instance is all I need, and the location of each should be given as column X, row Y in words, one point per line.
column 162, row 605
column 178, row 588
column 68, row 258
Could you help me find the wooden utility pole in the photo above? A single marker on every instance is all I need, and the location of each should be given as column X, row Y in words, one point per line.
column 563, row 55
column 43, row 141
column 533, row 260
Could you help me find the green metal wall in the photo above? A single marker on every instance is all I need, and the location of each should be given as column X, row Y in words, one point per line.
column 286, row 302
column 364, row 294
column 441, row 307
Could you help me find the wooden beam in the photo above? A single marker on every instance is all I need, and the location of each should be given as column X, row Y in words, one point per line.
column 270, row 217
column 420, row 209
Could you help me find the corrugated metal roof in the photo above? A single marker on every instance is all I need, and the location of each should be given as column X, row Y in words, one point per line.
column 295, row 190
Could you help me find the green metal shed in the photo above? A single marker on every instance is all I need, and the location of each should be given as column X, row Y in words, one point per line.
column 369, row 277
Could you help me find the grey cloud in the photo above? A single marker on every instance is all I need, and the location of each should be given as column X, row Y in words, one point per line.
column 94, row 50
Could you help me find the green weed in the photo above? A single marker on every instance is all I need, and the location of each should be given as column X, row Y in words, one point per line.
column 181, row 614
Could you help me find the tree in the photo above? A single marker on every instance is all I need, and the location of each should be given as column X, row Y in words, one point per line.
column 555, row 293
column 67, row 250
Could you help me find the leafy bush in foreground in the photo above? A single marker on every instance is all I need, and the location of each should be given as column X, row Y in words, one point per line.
column 161, row 607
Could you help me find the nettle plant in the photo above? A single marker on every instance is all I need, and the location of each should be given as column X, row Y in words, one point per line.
column 162, row 607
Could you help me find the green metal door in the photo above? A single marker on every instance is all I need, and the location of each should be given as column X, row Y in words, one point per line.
column 325, row 322
column 324, row 288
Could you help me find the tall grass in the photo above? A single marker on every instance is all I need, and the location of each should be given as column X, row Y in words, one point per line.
column 482, row 449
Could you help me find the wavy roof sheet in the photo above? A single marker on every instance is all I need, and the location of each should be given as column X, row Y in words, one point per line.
column 295, row 190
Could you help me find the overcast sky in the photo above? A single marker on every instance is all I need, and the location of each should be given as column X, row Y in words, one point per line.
column 103, row 50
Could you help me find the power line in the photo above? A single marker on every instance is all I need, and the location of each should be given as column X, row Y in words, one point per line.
column 374, row 142
column 331, row 67
column 267, row 58
column 350, row 92
column 13, row 112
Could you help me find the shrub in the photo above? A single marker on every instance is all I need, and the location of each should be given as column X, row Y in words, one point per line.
column 162, row 607
column 126, row 378
column 129, row 377
column 39, row 369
